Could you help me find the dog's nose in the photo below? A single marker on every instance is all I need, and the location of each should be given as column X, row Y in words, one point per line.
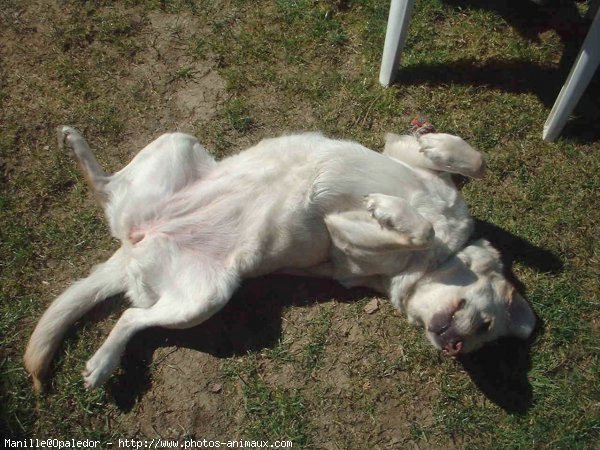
column 441, row 322
column 439, row 325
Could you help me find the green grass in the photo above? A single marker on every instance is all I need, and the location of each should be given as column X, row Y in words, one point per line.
column 238, row 115
column 274, row 412
column 333, row 377
column 317, row 331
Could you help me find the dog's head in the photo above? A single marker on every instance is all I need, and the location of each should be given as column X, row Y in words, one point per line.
column 467, row 302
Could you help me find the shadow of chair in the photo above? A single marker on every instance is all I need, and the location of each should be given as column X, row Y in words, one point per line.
column 529, row 19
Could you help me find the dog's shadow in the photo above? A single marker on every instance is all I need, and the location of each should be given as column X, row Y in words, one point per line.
column 500, row 369
column 252, row 321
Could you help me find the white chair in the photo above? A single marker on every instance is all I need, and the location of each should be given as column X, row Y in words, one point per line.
column 579, row 78
column 581, row 74
column 395, row 38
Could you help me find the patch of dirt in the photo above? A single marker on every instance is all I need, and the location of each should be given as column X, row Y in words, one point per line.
column 180, row 401
column 192, row 89
column 360, row 401
column 354, row 396
column 185, row 88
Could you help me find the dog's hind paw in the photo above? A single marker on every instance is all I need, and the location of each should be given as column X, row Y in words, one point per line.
column 98, row 369
column 63, row 132
column 71, row 139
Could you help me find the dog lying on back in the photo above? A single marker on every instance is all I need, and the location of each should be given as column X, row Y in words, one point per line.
column 192, row 228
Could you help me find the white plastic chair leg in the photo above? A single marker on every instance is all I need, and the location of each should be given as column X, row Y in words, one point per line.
column 395, row 37
column 579, row 78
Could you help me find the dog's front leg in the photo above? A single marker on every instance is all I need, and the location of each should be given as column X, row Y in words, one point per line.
column 378, row 231
column 436, row 151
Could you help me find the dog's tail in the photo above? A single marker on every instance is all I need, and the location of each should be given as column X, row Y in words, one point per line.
column 106, row 279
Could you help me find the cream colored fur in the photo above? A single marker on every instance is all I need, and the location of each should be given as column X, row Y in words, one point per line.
column 191, row 229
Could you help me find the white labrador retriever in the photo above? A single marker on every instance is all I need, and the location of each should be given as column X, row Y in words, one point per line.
column 192, row 228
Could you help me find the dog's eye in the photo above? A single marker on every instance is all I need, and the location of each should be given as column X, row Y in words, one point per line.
column 484, row 326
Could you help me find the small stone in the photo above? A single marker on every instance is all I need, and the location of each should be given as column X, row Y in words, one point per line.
column 372, row 306
column 216, row 388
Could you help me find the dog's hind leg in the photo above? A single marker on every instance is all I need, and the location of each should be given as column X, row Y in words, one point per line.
column 436, row 151
column 96, row 178
column 177, row 308
column 163, row 167
column 107, row 279
column 167, row 164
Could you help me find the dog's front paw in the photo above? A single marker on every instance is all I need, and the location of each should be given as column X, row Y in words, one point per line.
column 452, row 154
column 381, row 209
column 98, row 369
column 398, row 215
column 439, row 148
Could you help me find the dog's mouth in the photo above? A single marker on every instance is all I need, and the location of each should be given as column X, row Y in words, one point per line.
column 452, row 348
column 444, row 332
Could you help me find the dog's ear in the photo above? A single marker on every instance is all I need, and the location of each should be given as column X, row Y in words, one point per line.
column 481, row 257
column 521, row 318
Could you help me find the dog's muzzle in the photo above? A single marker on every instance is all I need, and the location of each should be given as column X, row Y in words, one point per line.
column 445, row 333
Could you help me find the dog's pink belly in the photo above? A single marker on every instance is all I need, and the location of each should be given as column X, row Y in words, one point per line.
column 253, row 231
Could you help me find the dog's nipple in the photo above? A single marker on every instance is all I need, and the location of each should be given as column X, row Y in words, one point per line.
column 136, row 236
